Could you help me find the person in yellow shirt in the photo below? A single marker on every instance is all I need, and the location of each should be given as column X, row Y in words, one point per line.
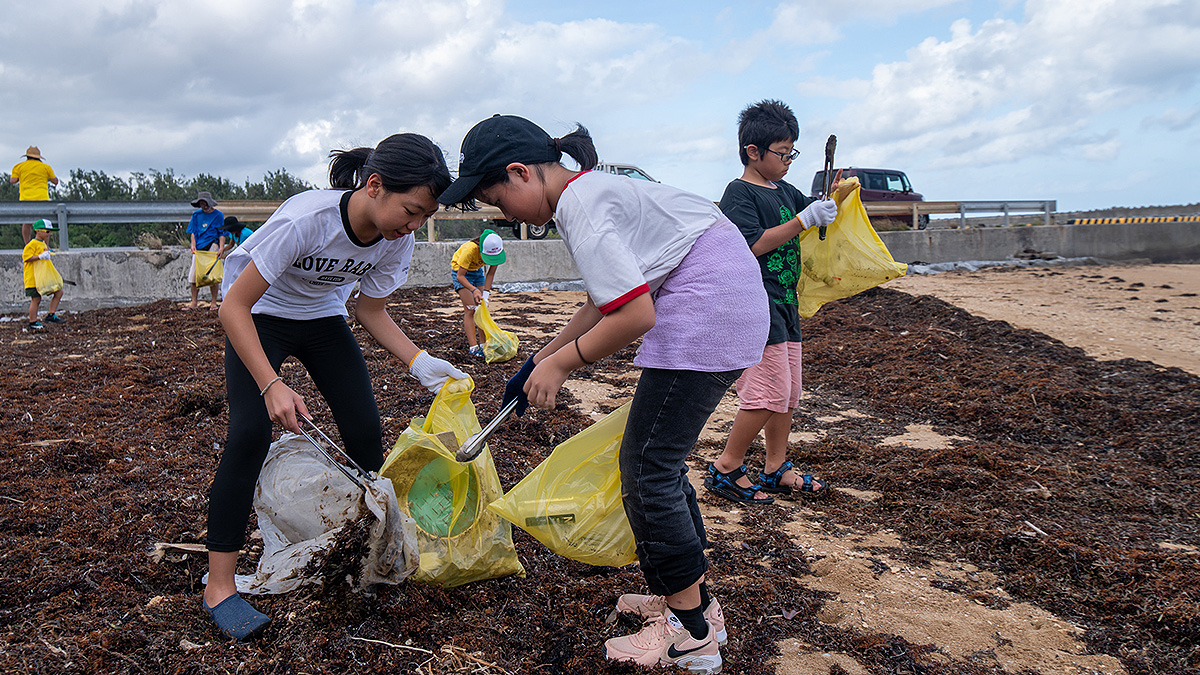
column 35, row 178
column 34, row 251
column 470, row 280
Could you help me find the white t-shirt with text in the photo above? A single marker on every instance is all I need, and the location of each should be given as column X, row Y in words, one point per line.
column 310, row 257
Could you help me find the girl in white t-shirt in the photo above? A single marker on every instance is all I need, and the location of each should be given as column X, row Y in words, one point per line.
column 659, row 264
column 285, row 295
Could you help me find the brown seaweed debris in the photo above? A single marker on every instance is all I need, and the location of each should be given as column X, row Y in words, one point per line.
column 1116, row 443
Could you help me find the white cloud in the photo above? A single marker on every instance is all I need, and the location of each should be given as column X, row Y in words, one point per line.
column 1173, row 119
column 1008, row 89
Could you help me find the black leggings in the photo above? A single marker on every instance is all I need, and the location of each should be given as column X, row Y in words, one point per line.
column 327, row 348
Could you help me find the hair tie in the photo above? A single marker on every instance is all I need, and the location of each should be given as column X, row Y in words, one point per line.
column 558, row 144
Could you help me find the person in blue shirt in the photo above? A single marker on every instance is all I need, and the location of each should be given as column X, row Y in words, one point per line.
column 236, row 232
column 206, row 229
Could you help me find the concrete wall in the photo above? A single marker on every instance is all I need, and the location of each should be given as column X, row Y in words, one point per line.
column 107, row 277
column 1160, row 242
column 124, row 276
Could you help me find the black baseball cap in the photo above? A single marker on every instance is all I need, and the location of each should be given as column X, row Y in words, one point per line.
column 492, row 145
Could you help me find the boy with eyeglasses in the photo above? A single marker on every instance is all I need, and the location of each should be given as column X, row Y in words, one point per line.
column 771, row 214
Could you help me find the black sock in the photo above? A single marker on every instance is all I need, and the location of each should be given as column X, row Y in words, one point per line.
column 693, row 620
column 705, row 598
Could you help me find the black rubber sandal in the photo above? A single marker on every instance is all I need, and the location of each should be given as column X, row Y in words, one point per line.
column 725, row 485
column 771, row 483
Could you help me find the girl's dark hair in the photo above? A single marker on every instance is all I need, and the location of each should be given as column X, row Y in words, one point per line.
column 764, row 123
column 403, row 162
column 578, row 144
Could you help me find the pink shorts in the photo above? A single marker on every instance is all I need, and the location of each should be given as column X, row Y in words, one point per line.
column 774, row 383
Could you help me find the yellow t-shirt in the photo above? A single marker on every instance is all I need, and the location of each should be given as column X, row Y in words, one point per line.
column 33, row 249
column 467, row 257
column 34, row 178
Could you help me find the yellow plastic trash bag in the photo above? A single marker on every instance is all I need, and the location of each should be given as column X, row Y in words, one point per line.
column 460, row 541
column 850, row 260
column 499, row 345
column 209, row 269
column 572, row 501
column 46, row 277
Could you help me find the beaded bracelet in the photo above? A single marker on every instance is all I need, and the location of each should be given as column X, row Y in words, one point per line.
column 264, row 389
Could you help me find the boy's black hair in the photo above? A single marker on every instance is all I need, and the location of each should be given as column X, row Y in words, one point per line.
column 766, row 122
column 403, row 162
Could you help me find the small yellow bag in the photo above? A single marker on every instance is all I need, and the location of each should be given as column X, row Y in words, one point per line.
column 209, row 269
column 572, row 501
column 46, row 277
column 500, row 345
column 460, row 541
column 850, row 260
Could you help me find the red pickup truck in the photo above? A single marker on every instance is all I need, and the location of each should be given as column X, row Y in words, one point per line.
column 878, row 185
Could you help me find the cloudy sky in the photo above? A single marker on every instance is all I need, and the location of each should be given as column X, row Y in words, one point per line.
column 1094, row 103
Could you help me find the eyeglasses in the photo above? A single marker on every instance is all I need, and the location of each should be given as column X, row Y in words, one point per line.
column 785, row 156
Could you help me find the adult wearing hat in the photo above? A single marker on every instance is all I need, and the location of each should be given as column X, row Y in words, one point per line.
column 35, row 177
column 207, row 231
column 472, row 282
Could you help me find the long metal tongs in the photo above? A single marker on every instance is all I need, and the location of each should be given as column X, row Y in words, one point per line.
column 333, row 460
column 830, row 146
column 471, row 448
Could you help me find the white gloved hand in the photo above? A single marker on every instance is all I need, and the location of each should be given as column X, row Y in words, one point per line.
column 485, row 295
column 818, row 214
column 44, row 256
column 433, row 372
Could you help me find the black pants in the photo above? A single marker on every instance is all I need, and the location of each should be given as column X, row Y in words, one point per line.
column 334, row 360
column 670, row 408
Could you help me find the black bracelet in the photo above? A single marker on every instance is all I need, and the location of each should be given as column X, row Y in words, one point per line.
column 580, row 353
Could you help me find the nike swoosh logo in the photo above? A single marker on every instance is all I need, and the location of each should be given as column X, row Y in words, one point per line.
column 676, row 653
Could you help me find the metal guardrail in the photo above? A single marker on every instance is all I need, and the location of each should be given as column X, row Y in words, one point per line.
column 65, row 213
column 918, row 209
column 484, row 213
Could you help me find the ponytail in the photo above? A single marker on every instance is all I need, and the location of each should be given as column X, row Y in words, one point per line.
column 578, row 144
column 402, row 162
column 345, row 167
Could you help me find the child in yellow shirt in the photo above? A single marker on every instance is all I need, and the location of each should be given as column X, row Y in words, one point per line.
column 36, row 250
column 469, row 279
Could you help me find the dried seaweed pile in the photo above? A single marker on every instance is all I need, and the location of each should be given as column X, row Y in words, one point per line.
column 1103, row 457
column 112, row 426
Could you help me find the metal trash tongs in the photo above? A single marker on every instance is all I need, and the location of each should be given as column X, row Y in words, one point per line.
column 471, row 448
column 333, row 460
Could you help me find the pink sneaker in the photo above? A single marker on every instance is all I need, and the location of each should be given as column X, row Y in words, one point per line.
column 651, row 606
column 664, row 641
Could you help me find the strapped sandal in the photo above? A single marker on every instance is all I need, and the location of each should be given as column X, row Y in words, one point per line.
column 771, row 483
column 725, row 485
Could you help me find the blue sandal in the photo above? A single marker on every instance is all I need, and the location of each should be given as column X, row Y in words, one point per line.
column 771, row 483
column 725, row 485
column 236, row 618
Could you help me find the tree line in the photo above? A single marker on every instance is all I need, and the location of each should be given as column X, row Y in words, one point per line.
column 97, row 186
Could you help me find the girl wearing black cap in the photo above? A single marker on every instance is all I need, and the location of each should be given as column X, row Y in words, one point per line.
column 664, row 265
column 286, row 289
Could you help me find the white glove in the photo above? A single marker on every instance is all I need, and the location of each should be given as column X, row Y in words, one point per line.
column 485, row 295
column 44, row 256
column 433, row 372
column 818, row 214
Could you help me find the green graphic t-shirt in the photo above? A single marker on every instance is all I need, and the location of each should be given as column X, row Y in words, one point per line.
column 755, row 209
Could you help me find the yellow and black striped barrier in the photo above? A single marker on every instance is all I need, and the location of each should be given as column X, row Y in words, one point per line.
column 1144, row 219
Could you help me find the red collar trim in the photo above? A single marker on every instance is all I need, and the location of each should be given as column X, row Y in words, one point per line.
column 574, row 177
